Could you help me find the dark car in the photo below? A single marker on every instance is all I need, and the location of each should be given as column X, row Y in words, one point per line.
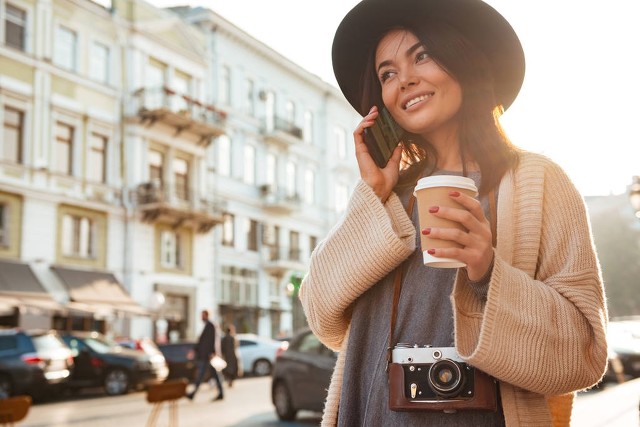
column 101, row 362
column 180, row 357
column 301, row 376
column 32, row 362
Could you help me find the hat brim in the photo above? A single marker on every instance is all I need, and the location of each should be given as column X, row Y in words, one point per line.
column 481, row 24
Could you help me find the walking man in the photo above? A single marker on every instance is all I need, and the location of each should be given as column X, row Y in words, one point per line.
column 205, row 349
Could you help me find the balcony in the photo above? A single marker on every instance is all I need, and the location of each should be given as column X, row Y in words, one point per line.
column 278, row 201
column 185, row 114
column 158, row 204
column 283, row 134
column 278, row 260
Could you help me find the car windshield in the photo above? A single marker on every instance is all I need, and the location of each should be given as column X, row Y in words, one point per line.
column 100, row 344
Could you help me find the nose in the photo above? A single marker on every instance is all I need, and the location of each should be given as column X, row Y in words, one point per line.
column 407, row 80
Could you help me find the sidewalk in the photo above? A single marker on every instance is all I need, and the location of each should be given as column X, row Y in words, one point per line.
column 613, row 406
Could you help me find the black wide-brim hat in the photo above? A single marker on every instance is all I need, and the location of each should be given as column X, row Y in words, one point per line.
column 478, row 22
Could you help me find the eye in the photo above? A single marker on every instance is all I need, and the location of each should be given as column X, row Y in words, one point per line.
column 386, row 75
column 423, row 56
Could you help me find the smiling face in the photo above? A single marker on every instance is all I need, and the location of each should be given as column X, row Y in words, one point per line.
column 420, row 95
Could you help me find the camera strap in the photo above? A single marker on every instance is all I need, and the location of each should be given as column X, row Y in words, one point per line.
column 397, row 281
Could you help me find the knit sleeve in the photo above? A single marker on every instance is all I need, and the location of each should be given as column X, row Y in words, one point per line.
column 542, row 327
column 366, row 244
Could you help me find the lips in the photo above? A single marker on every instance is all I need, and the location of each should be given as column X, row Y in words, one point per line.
column 415, row 100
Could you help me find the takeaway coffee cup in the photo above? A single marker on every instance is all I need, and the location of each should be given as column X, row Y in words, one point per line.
column 434, row 191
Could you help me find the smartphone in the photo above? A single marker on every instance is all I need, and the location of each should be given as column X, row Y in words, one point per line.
column 382, row 138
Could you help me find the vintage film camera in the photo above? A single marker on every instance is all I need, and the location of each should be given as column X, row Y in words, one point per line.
column 425, row 378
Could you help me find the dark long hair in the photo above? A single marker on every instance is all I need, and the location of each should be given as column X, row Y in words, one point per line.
column 482, row 139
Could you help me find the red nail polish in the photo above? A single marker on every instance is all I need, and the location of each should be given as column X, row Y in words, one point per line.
column 433, row 209
column 426, row 231
column 454, row 193
column 431, row 251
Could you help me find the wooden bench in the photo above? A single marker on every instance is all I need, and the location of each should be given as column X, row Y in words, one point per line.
column 14, row 409
column 170, row 391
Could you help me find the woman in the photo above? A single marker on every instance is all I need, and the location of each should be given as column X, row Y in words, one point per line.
column 229, row 347
column 530, row 312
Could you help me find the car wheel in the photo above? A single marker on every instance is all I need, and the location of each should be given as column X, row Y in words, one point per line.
column 5, row 386
column 261, row 367
column 282, row 402
column 116, row 382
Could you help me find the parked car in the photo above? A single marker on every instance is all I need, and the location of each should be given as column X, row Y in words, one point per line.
column 180, row 357
column 100, row 361
column 32, row 362
column 258, row 354
column 301, row 376
column 623, row 336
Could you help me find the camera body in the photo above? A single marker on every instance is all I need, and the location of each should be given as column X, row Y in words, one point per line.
column 436, row 378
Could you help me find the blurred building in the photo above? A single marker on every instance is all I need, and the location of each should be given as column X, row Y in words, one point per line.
column 157, row 162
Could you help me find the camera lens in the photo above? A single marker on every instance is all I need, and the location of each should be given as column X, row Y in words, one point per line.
column 445, row 378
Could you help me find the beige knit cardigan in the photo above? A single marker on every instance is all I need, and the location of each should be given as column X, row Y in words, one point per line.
column 541, row 330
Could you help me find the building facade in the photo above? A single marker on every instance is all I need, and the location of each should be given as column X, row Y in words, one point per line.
column 165, row 161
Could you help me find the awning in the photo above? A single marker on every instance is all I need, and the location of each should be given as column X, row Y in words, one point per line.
column 98, row 292
column 20, row 287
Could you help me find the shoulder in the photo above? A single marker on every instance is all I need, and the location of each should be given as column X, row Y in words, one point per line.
column 536, row 167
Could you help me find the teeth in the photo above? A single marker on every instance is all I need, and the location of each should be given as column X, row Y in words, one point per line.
column 416, row 100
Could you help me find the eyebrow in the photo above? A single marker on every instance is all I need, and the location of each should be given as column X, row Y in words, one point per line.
column 409, row 53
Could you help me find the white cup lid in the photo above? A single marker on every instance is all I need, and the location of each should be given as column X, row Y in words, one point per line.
column 446, row 181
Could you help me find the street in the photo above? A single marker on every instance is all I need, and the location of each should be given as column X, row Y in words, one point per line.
column 248, row 404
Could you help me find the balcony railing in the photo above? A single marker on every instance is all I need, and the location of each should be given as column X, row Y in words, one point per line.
column 283, row 132
column 279, row 200
column 184, row 113
column 279, row 259
column 177, row 206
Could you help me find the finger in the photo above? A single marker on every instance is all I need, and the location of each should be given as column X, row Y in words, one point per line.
column 472, row 204
column 466, row 218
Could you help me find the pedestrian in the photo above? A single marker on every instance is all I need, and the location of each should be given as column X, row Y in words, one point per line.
column 229, row 347
column 205, row 350
column 528, row 312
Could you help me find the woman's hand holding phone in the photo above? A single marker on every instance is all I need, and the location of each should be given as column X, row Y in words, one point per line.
column 381, row 180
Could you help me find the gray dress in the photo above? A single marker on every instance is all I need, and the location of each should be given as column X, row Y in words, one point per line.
column 425, row 316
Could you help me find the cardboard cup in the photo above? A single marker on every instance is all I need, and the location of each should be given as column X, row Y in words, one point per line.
column 434, row 191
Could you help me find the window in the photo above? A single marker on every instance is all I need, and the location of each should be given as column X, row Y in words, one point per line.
column 308, row 127
column 154, row 83
column 224, row 155
column 78, row 236
column 294, row 246
column 249, row 164
column 224, row 86
column 156, row 168
column 227, row 230
column 341, row 142
column 11, row 144
column 63, row 161
column 290, row 109
column 313, row 242
column 250, row 105
column 15, row 27
column 342, row 198
column 239, row 286
column 170, row 249
column 291, row 179
column 97, row 166
column 66, row 48
column 309, row 186
column 181, row 84
column 270, row 235
column 181, row 178
column 251, row 226
column 99, row 62
column 272, row 170
column 4, row 224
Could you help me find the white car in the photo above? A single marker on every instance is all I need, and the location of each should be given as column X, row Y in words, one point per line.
column 257, row 354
